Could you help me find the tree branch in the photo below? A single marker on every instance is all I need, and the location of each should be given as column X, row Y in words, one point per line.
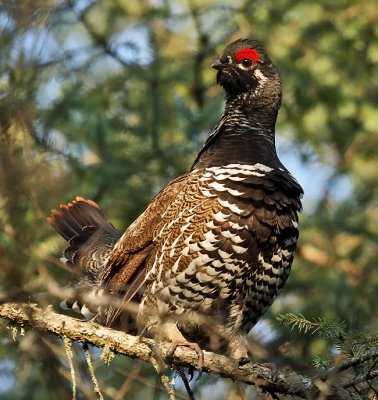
column 285, row 382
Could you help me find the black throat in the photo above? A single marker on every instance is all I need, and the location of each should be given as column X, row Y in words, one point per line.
column 244, row 135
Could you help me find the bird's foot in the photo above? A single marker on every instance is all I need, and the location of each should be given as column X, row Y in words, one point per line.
column 171, row 333
column 192, row 345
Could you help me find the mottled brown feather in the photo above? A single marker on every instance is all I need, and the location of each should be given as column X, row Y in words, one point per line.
column 136, row 243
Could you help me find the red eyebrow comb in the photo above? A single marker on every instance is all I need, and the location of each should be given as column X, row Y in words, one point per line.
column 247, row 53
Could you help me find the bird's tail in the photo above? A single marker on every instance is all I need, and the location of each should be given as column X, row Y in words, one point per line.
column 73, row 217
column 91, row 239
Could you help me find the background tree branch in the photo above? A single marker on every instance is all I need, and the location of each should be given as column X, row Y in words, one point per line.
column 284, row 382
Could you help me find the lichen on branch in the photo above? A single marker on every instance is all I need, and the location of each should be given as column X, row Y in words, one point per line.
column 281, row 382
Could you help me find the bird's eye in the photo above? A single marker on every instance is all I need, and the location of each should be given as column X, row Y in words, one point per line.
column 247, row 62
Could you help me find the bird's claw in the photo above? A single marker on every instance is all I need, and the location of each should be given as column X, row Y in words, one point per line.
column 192, row 345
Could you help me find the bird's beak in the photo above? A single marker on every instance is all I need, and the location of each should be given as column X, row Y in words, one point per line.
column 216, row 64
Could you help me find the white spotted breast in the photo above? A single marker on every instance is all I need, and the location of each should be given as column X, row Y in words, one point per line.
column 231, row 232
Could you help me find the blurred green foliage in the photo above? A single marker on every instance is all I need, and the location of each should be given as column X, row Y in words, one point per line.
column 111, row 99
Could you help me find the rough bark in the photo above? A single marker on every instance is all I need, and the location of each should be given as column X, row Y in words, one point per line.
column 283, row 382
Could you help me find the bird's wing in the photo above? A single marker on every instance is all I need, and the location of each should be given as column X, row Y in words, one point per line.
column 126, row 267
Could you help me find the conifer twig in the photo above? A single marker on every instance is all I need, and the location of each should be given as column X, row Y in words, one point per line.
column 298, row 321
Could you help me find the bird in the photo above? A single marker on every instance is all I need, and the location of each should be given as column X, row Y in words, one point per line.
column 214, row 248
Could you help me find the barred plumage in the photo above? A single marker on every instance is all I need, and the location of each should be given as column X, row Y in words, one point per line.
column 219, row 240
column 230, row 236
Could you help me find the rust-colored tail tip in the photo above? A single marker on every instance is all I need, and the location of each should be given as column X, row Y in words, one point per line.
column 56, row 212
column 71, row 219
column 67, row 207
column 78, row 199
column 52, row 219
column 90, row 202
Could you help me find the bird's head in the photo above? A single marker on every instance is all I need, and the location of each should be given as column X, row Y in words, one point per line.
column 244, row 67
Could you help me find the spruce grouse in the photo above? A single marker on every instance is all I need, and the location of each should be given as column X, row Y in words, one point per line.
column 216, row 242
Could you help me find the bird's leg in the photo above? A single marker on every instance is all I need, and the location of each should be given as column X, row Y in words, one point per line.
column 170, row 333
column 237, row 348
column 149, row 325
